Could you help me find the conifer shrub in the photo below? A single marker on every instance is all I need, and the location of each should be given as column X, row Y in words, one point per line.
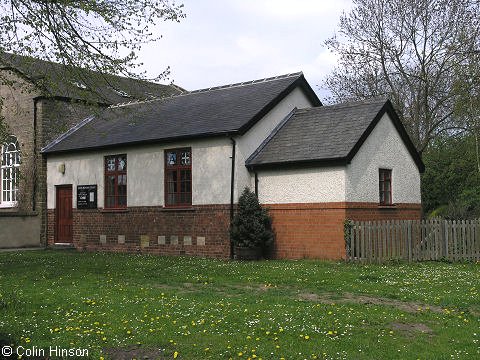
column 251, row 225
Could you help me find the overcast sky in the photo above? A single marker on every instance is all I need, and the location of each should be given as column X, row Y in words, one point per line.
column 222, row 42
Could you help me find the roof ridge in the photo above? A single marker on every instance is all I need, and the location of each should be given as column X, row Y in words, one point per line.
column 244, row 83
column 199, row 91
column 348, row 104
column 274, row 132
column 137, row 102
column 68, row 133
column 371, row 100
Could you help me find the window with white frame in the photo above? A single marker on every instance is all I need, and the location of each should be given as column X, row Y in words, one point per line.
column 9, row 172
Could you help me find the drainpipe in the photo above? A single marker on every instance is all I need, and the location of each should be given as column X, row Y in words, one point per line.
column 232, row 191
column 256, row 184
column 34, row 175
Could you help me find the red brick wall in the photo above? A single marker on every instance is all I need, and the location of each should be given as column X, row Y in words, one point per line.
column 301, row 230
column 316, row 230
column 372, row 211
column 211, row 222
column 308, row 230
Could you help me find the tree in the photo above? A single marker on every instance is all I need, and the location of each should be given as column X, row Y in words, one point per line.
column 467, row 100
column 95, row 34
column 450, row 185
column 407, row 50
column 251, row 227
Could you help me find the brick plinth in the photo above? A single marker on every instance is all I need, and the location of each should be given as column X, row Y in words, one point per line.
column 199, row 231
column 301, row 230
column 316, row 230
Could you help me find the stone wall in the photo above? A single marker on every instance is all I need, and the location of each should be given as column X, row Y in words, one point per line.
column 19, row 230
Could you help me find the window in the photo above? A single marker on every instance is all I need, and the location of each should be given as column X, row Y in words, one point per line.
column 385, row 182
column 178, row 177
column 9, row 172
column 116, row 181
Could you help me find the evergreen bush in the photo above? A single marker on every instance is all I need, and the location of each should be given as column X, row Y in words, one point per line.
column 251, row 225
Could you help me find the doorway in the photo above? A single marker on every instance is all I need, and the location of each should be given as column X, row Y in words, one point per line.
column 64, row 215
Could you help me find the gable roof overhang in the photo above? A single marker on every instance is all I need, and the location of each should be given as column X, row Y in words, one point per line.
column 301, row 83
column 397, row 123
column 387, row 108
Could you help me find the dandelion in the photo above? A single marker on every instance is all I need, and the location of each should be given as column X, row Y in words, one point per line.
column 175, row 354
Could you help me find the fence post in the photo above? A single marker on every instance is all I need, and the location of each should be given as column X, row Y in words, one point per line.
column 409, row 240
column 446, row 230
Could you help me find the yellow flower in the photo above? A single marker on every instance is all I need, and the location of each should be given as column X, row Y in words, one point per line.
column 175, row 354
column 307, row 337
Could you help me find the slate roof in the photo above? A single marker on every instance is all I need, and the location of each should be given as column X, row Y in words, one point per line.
column 87, row 85
column 230, row 109
column 327, row 134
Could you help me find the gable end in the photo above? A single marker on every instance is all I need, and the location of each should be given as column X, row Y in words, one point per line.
column 388, row 108
column 301, row 83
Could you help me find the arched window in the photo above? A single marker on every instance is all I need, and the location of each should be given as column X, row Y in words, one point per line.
column 9, row 172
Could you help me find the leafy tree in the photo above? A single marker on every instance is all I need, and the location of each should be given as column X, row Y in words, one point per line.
column 251, row 226
column 450, row 184
column 467, row 99
column 407, row 50
column 101, row 36
column 97, row 35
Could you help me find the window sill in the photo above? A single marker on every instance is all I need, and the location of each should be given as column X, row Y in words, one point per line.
column 8, row 205
column 122, row 210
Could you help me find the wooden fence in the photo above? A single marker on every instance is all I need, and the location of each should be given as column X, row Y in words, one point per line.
column 378, row 241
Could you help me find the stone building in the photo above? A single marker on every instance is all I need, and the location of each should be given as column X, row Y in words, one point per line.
column 40, row 101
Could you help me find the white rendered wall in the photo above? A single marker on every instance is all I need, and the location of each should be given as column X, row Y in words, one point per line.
column 384, row 148
column 311, row 185
column 211, row 164
column 252, row 139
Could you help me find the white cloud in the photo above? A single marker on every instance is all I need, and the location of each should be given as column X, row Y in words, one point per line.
column 287, row 9
column 240, row 40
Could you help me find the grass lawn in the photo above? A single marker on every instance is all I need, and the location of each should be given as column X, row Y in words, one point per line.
column 124, row 306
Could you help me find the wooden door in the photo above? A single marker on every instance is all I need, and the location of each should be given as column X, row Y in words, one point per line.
column 64, row 215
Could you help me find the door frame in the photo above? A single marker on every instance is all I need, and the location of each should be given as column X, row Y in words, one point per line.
column 57, row 187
